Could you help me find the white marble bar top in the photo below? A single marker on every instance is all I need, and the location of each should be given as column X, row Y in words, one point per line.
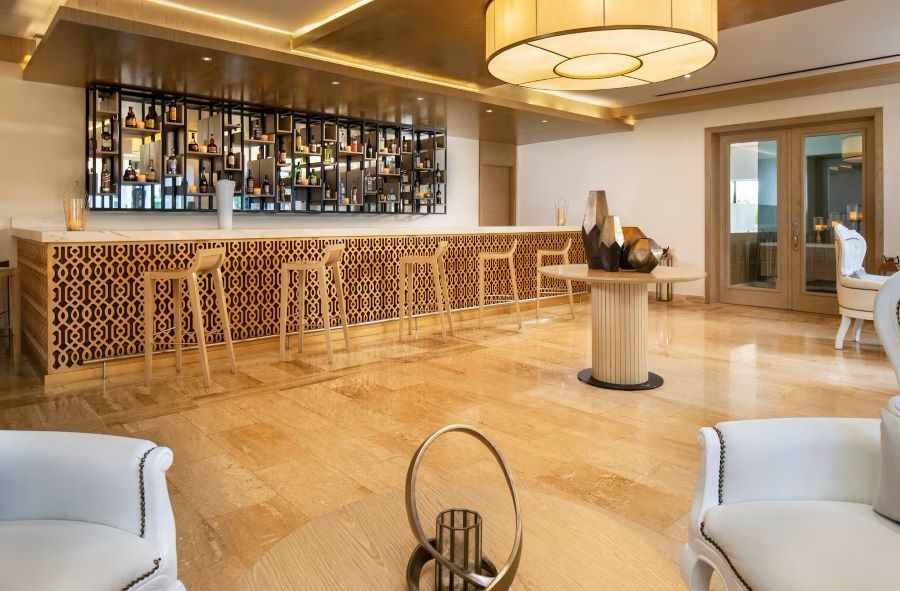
column 55, row 235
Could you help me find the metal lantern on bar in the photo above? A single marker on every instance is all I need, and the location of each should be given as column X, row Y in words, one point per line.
column 665, row 291
column 456, row 547
column 75, row 209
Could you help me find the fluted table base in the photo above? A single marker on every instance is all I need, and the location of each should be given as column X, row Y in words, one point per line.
column 619, row 338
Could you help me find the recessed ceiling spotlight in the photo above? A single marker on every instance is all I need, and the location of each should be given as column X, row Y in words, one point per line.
column 206, row 58
column 543, row 120
column 420, row 98
column 488, row 110
column 335, row 82
column 687, row 75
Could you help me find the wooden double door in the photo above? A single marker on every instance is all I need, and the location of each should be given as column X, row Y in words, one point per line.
column 780, row 192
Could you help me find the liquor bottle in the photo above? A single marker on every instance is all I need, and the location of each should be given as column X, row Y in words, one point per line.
column 130, row 119
column 106, row 141
column 370, row 151
column 266, row 186
column 230, row 160
column 172, row 164
column 152, row 175
column 415, row 160
column 203, row 185
column 382, row 197
column 438, row 198
column 298, row 142
column 137, row 197
column 391, row 195
column 173, row 111
column 251, row 183
column 416, row 192
column 193, row 146
column 427, row 161
column 393, row 147
column 327, row 155
column 404, row 177
column 313, row 178
column 282, row 153
column 130, row 175
column 257, row 129
column 259, row 154
column 211, row 147
column 150, row 118
column 105, row 179
column 354, row 195
column 281, row 191
column 327, row 191
column 438, row 173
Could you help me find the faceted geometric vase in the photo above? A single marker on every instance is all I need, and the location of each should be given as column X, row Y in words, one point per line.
column 632, row 234
column 601, row 234
column 644, row 255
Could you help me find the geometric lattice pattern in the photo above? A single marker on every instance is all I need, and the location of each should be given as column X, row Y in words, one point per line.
column 95, row 291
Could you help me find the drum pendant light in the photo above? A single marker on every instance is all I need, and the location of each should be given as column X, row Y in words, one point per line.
column 598, row 44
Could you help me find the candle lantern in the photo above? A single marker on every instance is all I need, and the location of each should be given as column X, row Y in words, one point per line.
column 562, row 207
column 75, row 207
column 665, row 291
column 456, row 547
column 819, row 226
column 855, row 215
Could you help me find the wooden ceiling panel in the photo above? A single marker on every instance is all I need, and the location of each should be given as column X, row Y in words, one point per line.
column 734, row 13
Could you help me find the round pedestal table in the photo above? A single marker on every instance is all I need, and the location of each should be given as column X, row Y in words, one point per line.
column 619, row 322
column 365, row 546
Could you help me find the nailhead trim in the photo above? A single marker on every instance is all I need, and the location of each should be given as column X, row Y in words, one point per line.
column 725, row 556
column 721, row 464
column 141, row 487
column 143, row 576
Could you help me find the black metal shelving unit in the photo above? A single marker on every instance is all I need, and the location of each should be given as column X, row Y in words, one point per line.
column 315, row 162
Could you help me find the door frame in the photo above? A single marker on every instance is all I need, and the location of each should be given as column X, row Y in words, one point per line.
column 713, row 205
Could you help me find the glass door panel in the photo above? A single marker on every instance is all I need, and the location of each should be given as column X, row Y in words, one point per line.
column 754, row 192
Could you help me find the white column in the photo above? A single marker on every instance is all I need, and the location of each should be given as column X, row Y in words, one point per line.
column 619, row 332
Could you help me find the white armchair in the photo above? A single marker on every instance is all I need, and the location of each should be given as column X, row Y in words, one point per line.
column 856, row 289
column 83, row 512
column 787, row 503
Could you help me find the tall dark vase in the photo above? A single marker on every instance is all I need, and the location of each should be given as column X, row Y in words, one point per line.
column 602, row 234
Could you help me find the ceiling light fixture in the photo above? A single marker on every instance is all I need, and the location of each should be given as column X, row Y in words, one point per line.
column 543, row 120
column 420, row 98
column 488, row 110
column 334, row 82
column 589, row 45
column 687, row 76
column 206, row 58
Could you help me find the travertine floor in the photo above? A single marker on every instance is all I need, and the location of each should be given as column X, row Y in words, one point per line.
column 261, row 452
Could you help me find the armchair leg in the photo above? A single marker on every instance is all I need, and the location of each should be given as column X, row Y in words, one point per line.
column 857, row 329
column 696, row 573
column 842, row 332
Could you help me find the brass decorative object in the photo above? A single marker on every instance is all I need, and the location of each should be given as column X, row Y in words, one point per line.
column 459, row 565
column 631, row 234
column 602, row 234
column 644, row 255
column 75, row 207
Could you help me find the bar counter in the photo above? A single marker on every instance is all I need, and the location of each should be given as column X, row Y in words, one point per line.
column 82, row 292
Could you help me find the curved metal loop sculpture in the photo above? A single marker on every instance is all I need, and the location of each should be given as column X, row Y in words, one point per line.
column 500, row 579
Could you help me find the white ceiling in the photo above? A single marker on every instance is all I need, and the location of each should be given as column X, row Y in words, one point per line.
column 832, row 34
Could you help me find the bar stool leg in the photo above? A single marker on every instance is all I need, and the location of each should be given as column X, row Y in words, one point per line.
column 194, row 293
column 439, row 294
column 410, row 299
column 223, row 317
column 342, row 304
column 177, row 303
column 537, row 304
column 481, row 264
column 326, row 311
column 515, row 289
column 401, row 298
column 149, row 311
column 301, row 305
column 445, row 281
column 565, row 260
column 15, row 320
column 283, row 313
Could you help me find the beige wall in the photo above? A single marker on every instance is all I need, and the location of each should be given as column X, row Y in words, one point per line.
column 654, row 175
column 42, row 152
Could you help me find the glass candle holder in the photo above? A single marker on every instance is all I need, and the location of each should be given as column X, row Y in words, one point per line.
column 819, row 226
column 459, row 540
column 562, row 207
column 75, row 207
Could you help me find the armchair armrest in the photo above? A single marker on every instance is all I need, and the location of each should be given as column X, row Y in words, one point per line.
column 781, row 459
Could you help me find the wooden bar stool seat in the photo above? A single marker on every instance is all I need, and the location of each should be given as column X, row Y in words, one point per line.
column 541, row 291
column 331, row 259
column 509, row 257
column 436, row 264
column 207, row 261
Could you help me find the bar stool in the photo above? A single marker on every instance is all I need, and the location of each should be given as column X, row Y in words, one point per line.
column 564, row 254
column 207, row 261
column 15, row 314
column 331, row 258
column 436, row 263
column 509, row 257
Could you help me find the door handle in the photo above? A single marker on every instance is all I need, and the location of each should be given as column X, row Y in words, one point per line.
column 795, row 235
